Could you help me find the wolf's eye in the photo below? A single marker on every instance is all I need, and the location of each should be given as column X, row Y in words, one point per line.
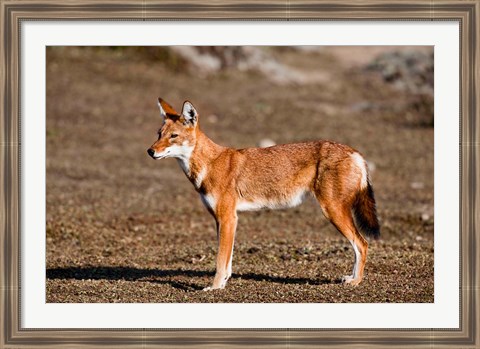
column 173, row 135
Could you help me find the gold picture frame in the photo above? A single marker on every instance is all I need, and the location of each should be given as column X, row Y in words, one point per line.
column 13, row 12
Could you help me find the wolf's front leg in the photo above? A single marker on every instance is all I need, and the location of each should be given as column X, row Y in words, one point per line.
column 226, row 217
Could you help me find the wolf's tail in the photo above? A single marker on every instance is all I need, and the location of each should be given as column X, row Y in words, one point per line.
column 365, row 212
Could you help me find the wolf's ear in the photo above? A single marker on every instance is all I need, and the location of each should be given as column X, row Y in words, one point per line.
column 163, row 115
column 166, row 110
column 189, row 114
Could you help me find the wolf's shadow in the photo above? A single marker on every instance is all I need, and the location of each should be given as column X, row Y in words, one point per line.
column 164, row 276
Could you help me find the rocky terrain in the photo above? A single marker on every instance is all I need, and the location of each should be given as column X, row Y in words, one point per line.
column 124, row 228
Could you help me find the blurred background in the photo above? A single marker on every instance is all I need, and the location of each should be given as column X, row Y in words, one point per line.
column 124, row 228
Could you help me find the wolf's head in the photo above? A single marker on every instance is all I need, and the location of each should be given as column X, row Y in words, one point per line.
column 177, row 134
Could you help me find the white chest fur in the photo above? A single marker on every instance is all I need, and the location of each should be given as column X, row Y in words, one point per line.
column 209, row 201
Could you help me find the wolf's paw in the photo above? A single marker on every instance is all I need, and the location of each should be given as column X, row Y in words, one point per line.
column 350, row 280
column 211, row 288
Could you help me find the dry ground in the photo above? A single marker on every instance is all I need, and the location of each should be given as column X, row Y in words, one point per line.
column 124, row 228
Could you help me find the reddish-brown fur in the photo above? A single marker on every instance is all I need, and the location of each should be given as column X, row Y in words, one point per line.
column 275, row 176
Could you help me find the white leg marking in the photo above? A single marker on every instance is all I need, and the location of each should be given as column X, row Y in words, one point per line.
column 360, row 162
column 229, row 268
column 357, row 259
column 347, row 279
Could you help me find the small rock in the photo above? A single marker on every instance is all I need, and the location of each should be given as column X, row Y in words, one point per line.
column 201, row 259
column 425, row 217
column 286, row 256
column 417, row 185
column 265, row 143
column 212, row 118
column 362, row 106
column 308, row 48
column 371, row 166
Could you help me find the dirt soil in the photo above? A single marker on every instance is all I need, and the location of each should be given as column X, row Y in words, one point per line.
column 124, row 228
